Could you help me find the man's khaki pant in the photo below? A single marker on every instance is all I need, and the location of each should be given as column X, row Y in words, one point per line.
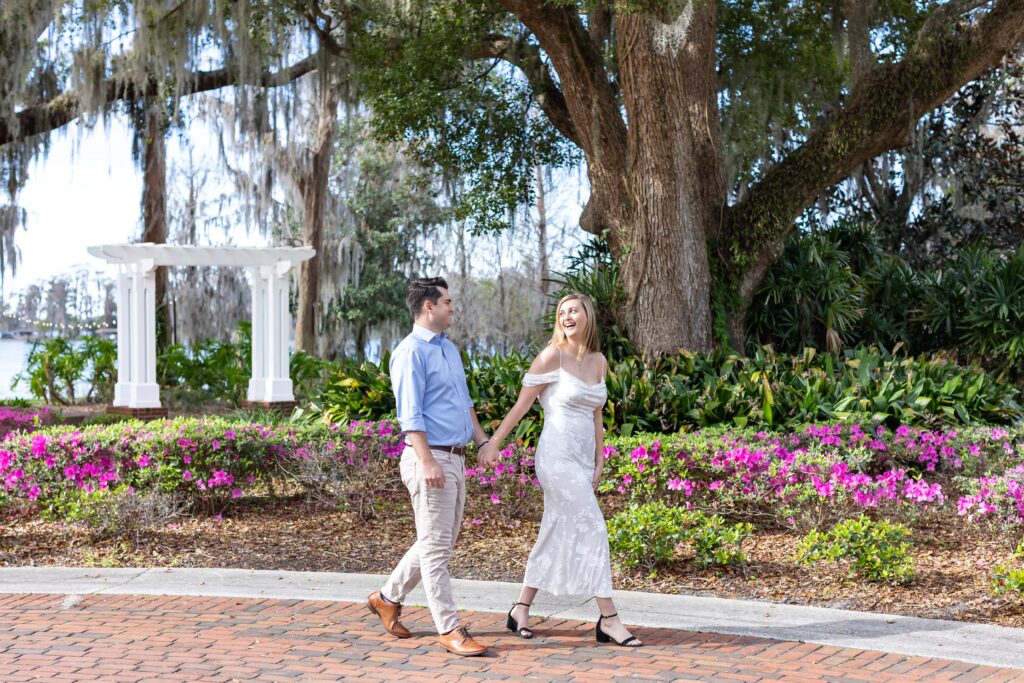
column 438, row 515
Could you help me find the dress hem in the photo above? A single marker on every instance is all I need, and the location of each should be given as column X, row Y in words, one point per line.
column 569, row 593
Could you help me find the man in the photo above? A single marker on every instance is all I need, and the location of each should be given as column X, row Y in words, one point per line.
column 437, row 416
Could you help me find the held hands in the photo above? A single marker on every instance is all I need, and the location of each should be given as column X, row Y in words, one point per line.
column 488, row 455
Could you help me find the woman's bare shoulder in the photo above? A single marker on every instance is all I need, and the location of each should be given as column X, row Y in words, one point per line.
column 598, row 359
column 545, row 361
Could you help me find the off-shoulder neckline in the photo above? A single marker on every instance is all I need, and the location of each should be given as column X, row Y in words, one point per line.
column 580, row 379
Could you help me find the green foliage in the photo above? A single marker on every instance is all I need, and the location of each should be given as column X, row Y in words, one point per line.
column 646, row 536
column 16, row 403
column 467, row 120
column 981, row 303
column 209, row 370
column 839, row 287
column 876, row 551
column 55, row 365
column 212, row 370
column 356, row 391
column 494, row 383
column 1009, row 579
column 766, row 390
column 716, row 542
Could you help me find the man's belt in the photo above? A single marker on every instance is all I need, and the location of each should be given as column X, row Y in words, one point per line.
column 455, row 450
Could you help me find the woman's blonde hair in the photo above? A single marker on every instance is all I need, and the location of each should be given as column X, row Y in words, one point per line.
column 590, row 340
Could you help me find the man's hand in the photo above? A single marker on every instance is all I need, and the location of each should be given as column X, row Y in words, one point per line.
column 433, row 474
column 488, row 454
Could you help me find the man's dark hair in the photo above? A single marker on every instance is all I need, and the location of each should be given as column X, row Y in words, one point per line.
column 425, row 289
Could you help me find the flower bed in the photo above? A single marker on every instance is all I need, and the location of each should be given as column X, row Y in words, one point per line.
column 202, row 459
column 825, row 473
column 14, row 419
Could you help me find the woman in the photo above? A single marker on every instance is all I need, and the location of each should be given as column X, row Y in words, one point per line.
column 571, row 554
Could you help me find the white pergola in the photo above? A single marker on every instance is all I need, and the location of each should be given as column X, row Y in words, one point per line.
column 136, row 386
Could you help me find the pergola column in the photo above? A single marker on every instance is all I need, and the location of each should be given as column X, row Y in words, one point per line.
column 136, row 336
column 271, row 324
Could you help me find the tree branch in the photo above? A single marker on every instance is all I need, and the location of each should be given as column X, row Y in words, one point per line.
column 527, row 59
column 66, row 107
column 875, row 119
column 592, row 105
column 589, row 98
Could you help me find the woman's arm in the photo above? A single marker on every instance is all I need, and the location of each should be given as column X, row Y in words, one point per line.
column 527, row 395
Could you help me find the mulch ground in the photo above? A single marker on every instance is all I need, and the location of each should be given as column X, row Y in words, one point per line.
column 953, row 561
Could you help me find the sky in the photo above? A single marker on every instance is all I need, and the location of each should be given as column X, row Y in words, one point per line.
column 85, row 192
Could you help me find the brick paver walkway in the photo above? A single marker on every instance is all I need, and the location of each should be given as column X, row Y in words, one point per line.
column 136, row 638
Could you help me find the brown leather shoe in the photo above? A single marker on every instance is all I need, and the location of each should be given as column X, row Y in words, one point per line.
column 388, row 614
column 460, row 642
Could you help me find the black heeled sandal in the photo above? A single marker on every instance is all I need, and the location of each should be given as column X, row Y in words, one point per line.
column 513, row 625
column 603, row 637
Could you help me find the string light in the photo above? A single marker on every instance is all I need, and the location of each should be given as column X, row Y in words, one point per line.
column 72, row 325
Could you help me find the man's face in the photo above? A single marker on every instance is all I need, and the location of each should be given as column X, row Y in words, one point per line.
column 439, row 315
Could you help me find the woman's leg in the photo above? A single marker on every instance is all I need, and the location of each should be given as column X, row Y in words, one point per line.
column 613, row 626
column 521, row 613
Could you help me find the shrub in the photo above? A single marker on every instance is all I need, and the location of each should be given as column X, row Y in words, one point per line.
column 56, row 366
column 1009, row 578
column 876, row 551
column 716, row 542
column 208, row 461
column 356, row 391
column 23, row 418
column 807, row 479
column 645, row 536
column 349, row 474
column 766, row 390
column 123, row 512
column 511, row 487
column 997, row 498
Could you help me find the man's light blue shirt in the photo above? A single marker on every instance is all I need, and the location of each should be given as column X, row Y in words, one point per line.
column 430, row 388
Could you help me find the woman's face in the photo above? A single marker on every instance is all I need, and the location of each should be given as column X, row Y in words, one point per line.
column 573, row 319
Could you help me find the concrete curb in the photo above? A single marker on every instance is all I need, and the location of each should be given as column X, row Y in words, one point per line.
column 963, row 641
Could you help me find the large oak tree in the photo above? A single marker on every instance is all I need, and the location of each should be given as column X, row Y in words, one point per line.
column 640, row 88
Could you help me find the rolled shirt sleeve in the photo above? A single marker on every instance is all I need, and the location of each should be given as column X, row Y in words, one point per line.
column 408, row 381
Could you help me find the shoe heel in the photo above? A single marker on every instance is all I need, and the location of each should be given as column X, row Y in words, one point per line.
column 511, row 625
column 601, row 636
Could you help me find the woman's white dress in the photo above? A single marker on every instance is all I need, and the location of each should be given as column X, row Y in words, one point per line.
column 571, row 554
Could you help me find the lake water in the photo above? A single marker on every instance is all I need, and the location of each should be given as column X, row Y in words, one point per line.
column 13, row 354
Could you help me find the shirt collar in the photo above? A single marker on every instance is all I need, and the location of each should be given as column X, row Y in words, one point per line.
column 427, row 335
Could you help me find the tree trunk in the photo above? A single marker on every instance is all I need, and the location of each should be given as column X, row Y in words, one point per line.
column 154, row 208
column 542, row 233
column 676, row 182
column 314, row 199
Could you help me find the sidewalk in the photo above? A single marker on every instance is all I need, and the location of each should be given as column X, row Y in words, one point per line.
column 222, row 625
